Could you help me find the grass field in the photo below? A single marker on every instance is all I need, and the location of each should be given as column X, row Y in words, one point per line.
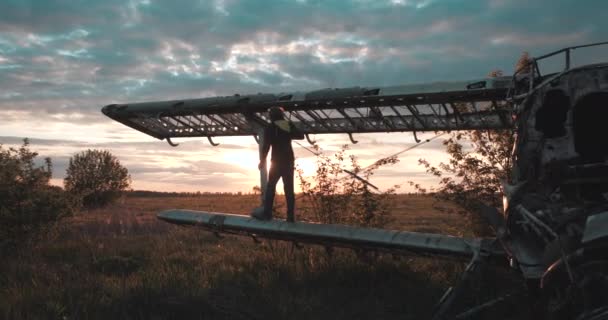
column 120, row 262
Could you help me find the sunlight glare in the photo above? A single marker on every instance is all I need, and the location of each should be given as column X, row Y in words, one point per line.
column 308, row 166
column 247, row 160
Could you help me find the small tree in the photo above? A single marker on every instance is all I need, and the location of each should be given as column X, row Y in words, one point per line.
column 343, row 196
column 474, row 174
column 29, row 205
column 97, row 177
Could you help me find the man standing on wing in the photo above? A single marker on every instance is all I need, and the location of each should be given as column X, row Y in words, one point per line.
column 278, row 135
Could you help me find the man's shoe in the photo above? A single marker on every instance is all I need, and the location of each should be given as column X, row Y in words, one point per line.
column 258, row 213
column 261, row 217
column 290, row 218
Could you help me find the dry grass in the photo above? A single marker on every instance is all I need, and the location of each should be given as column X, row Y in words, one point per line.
column 120, row 262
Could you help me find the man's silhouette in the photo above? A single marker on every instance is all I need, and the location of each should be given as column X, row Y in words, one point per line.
column 278, row 136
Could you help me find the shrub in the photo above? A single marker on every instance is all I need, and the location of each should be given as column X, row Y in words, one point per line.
column 97, row 177
column 473, row 177
column 474, row 174
column 29, row 205
column 340, row 195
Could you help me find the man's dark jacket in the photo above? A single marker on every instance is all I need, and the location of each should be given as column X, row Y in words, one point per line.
column 279, row 135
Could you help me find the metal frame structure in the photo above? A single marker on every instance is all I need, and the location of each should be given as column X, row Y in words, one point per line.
column 470, row 105
column 535, row 78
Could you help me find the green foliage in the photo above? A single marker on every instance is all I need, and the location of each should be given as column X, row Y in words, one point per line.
column 29, row 205
column 474, row 173
column 338, row 197
column 97, row 177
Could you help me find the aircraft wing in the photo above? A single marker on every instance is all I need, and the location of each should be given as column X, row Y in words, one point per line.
column 467, row 105
column 334, row 235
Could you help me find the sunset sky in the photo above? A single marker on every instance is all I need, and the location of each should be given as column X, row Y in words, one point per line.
column 61, row 61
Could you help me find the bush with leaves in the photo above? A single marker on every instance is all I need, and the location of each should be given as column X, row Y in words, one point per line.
column 29, row 205
column 479, row 162
column 97, row 177
column 474, row 173
column 337, row 194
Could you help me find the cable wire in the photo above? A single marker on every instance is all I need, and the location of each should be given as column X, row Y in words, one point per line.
column 375, row 162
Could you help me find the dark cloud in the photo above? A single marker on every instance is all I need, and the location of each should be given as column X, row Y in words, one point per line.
column 55, row 15
column 75, row 56
column 61, row 61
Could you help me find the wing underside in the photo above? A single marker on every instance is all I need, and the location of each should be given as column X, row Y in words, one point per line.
column 431, row 107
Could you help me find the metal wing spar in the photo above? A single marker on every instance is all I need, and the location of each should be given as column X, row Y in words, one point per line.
column 438, row 106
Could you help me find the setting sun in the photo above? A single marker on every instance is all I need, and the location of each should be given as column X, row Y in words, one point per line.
column 249, row 160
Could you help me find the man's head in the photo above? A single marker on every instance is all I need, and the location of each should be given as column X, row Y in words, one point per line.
column 276, row 113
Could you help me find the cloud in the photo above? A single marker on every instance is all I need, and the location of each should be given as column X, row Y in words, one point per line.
column 80, row 55
column 192, row 164
column 197, row 166
column 61, row 61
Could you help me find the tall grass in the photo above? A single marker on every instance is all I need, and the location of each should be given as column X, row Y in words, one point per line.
column 121, row 263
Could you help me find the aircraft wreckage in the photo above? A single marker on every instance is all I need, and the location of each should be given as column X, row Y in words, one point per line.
column 554, row 224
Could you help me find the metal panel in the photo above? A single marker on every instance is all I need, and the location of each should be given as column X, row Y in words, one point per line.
column 596, row 227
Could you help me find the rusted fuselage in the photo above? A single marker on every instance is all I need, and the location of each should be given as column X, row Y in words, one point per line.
column 556, row 203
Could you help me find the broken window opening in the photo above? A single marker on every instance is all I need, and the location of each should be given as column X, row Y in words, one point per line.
column 590, row 118
column 551, row 117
